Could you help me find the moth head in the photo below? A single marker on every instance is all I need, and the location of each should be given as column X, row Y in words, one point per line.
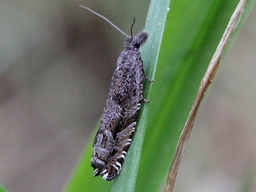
column 140, row 39
column 137, row 41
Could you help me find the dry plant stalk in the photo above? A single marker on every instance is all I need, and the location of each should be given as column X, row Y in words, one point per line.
column 205, row 83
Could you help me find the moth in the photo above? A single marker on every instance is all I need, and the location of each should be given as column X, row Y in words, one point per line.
column 119, row 117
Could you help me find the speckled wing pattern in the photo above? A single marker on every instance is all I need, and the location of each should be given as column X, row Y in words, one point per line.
column 118, row 122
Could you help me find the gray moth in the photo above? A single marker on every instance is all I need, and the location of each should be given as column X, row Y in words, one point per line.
column 119, row 117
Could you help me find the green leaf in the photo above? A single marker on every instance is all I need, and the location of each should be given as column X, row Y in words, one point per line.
column 191, row 34
column 155, row 26
column 2, row 189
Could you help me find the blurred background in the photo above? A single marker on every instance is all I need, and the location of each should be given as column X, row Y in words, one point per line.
column 56, row 62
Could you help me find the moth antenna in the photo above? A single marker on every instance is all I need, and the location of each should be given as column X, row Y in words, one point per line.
column 132, row 26
column 101, row 16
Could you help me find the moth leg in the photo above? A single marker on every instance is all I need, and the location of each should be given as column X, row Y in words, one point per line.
column 146, row 100
column 150, row 80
